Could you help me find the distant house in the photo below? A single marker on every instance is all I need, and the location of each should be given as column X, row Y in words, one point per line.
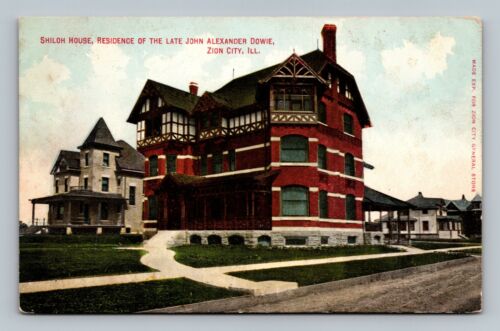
column 98, row 188
column 428, row 219
column 470, row 212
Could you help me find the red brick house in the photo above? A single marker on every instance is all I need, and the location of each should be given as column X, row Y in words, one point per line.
column 274, row 157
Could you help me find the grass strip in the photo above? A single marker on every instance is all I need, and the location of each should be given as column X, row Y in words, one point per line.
column 124, row 298
column 427, row 245
column 200, row 256
column 45, row 261
column 322, row 273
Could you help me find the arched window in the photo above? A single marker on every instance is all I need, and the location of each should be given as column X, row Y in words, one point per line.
column 349, row 165
column 322, row 112
column 323, row 204
column 214, row 240
column 350, row 207
column 153, row 165
column 295, row 201
column 294, row 149
column 264, row 241
column 195, row 239
column 322, row 157
column 236, row 240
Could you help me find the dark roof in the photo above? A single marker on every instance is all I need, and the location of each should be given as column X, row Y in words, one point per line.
column 243, row 91
column 375, row 199
column 130, row 158
column 460, row 204
column 171, row 96
column 448, row 217
column 100, row 137
column 477, row 198
column 78, row 195
column 402, row 218
column 422, row 202
column 70, row 158
column 182, row 180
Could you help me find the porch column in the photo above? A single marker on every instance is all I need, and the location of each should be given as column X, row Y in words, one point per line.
column 98, row 218
column 224, row 201
column 409, row 230
column 69, row 212
column 183, row 211
column 32, row 213
column 122, row 216
column 204, row 213
column 389, row 224
column 399, row 226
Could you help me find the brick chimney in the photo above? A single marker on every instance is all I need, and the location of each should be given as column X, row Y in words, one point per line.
column 330, row 41
column 193, row 88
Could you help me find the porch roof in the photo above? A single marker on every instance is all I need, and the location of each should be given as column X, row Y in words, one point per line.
column 79, row 195
column 376, row 200
column 449, row 218
column 185, row 181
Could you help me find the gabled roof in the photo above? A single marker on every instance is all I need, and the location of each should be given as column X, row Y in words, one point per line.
column 244, row 91
column 477, row 198
column 100, row 137
column 460, row 204
column 294, row 67
column 70, row 160
column 130, row 159
column 171, row 96
column 422, row 202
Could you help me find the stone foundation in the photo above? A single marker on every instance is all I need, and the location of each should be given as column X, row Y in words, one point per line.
column 279, row 238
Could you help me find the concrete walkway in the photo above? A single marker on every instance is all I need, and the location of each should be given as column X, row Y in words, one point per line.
column 162, row 259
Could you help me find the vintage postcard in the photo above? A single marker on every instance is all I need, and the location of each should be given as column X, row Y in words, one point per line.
column 250, row 165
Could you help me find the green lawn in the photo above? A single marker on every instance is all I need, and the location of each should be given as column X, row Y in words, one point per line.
column 473, row 251
column 428, row 245
column 125, row 298
column 200, row 256
column 52, row 257
column 321, row 273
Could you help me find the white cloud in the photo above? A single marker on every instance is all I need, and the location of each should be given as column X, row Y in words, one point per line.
column 279, row 55
column 411, row 63
column 352, row 60
column 42, row 82
column 190, row 60
column 108, row 64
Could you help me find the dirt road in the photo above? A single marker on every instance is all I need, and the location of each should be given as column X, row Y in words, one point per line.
column 455, row 289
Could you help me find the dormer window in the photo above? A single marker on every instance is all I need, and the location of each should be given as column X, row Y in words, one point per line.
column 294, row 98
column 145, row 106
column 141, row 130
column 160, row 102
column 348, row 93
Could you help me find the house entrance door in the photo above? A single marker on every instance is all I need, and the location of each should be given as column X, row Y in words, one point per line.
column 174, row 214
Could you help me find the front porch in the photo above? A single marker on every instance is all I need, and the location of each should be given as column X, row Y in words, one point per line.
column 83, row 211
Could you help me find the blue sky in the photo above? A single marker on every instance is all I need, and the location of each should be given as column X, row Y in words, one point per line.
column 414, row 75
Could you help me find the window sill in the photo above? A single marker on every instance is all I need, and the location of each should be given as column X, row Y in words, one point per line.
column 349, row 134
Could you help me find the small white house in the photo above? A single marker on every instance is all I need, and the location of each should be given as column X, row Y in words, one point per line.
column 428, row 219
